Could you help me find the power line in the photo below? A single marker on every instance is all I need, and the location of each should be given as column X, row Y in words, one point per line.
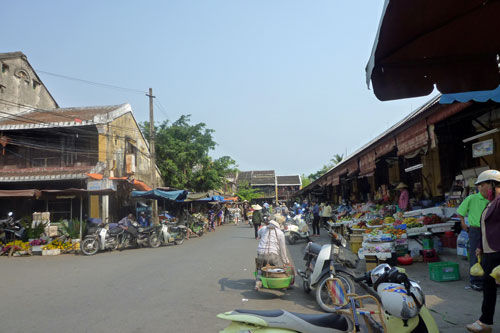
column 136, row 91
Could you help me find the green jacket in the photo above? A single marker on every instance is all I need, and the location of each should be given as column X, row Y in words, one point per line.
column 257, row 217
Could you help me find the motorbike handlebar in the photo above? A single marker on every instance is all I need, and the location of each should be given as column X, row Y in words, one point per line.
column 360, row 278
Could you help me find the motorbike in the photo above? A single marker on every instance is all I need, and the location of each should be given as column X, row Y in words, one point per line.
column 296, row 229
column 323, row 263
column 399, row 300
column 146, row 236
column 168, row 233
column 100, row 239
column 10, row 229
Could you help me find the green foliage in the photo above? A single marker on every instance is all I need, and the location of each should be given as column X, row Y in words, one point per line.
column 72, row 228
column 305, row 180
column 33, row 233
column 246, row 192
column 182, row 155
column 333, row 162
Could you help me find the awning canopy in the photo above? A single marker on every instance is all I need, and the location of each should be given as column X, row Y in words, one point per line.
column 159, row 195
column 476, row 96
column 385, row 147
column 19, row 193
column 413, row 138
column 448, row 43
column 367, row 163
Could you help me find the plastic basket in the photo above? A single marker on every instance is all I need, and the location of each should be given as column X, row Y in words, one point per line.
column 444, row 271
column 276, row 283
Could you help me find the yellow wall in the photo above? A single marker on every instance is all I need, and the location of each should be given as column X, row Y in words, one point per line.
column 394, row 173
column 94, row 206
column 432, row 172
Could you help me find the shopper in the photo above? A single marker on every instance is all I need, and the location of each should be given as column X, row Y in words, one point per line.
column 327, row 213
column 489, row 249
column 257, row 218
column 315, row 224
column 245, row 211
column 404, row 197
column 472, row 207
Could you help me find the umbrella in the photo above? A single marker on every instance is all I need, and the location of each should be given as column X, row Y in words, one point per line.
column 450, row 43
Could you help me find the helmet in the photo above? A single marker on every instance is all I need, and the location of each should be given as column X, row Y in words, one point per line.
column 488, row 175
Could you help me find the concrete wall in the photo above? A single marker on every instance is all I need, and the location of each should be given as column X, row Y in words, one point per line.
column 20, row 85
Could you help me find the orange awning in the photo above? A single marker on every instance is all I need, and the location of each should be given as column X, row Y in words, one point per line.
column 140, row 185
column 96, row 176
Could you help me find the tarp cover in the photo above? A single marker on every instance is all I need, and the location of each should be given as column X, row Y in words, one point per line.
column 158, row 194
column 477, row 96
column 19, row 193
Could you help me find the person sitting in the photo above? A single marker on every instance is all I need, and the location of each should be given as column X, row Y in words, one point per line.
column 143, row 220
column 126, row 224
column 271, row 249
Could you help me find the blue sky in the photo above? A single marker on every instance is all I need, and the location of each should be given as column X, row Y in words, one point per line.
column 282, row 83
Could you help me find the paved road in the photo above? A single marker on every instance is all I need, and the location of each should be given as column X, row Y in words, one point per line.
column 169, row 289
column 173, row 289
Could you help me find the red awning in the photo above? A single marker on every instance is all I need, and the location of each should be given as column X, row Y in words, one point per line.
column 367, row 163
column 413, row 138
column 385, row 147
column 140, row 185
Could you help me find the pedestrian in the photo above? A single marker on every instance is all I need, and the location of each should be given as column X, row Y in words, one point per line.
column 315, row 223
column 404, row 197
column 142, row 220
column 327, row 213
column 271, row 249
column 245, row 211
column 472, row 207
column 257, row 218
column 211, row 220
column 489, row 249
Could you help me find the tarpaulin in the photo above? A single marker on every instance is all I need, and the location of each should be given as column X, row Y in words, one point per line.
column 413, row 138
column 19, row 193
column 158, row 194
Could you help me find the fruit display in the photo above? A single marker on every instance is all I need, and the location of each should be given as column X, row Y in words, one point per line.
column 15, row 246
column 432, row 219
column 389, row 220
column 360, row 225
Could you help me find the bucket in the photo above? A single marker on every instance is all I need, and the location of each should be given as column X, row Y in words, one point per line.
column 428, row 243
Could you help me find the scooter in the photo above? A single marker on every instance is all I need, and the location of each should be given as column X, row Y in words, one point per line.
column 101, row 239
column 400, row 308
column 323, row 263
column 11, row 230
column 296, row 229
column 170, row 233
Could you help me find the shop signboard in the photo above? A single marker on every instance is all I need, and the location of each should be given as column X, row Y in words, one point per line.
column 483, row 148
column 103, row 184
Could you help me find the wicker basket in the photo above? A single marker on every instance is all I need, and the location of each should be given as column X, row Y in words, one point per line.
column 266, row 272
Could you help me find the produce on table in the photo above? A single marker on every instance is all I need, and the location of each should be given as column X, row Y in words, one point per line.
column 432, row 219
column 389, row 220
column 360, row 225
column 376, row 221
column 16, row 246
column 58, row 244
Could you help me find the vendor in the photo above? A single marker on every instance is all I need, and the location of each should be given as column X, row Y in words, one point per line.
column 404, row 197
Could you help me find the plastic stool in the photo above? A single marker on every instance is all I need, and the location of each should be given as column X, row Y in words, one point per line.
column 430, row 255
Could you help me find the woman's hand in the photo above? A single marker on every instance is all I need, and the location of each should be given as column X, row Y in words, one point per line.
column 479, row 252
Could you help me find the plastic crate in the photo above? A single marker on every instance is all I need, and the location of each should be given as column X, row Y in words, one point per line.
column 444, row 271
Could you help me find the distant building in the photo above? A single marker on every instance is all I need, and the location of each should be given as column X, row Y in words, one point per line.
column 268, row 183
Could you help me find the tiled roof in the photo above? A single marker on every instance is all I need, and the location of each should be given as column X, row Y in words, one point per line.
column 288, row 180
column 42, row 174
column 244, row 177
column 266, row 177
column 64, row 117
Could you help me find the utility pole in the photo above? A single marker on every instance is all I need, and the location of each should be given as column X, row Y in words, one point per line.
column 152, row 157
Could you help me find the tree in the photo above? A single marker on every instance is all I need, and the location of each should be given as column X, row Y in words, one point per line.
column 246, row 192
column 182, row 155
column 333, row 162
column 305, row 180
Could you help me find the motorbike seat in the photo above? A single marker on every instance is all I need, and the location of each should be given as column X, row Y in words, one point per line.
column 329, row 320
column 315, row 248
column 145, row 229
column 263, row 313
column 115, row 231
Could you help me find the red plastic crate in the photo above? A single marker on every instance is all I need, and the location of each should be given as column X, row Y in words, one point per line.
column 449, row 241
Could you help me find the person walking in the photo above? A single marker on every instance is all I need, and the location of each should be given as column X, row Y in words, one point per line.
column 315, row 223
column 245, row 211
column 472, row 207
column 327, row 213
column 404, row 197
column 489, row 249
column 257, row 218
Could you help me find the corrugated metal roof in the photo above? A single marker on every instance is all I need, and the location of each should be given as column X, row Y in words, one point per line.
column 43, row 174
column 288, row 180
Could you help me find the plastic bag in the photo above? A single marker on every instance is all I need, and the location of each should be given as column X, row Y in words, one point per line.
column 476, row 269
column 495, row 273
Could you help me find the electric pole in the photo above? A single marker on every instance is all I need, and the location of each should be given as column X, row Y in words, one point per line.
column 152, row 152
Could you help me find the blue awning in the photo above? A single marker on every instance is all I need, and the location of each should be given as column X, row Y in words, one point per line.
column 477, row 96
column 159, row 194
column 213, row 198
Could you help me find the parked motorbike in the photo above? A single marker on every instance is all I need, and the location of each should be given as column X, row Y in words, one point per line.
column 11, row 230
column 323, row 263
column 400, row 307
column 146, row 236
column 168, row 233
column 296, row 229
column 101, row 239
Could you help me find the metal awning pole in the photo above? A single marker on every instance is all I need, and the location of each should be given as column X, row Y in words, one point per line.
column 81, row 216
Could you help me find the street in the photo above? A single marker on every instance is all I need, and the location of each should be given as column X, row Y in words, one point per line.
column 172, row 289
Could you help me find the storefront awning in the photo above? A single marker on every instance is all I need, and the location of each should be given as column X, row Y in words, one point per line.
column 413, row 138
column 367, row 163
column 385, row 147
column 352, row 167
column 159, row 195
column 476, row 96
column 19, row 193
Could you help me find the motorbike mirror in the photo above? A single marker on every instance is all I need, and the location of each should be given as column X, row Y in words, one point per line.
column 10, row 214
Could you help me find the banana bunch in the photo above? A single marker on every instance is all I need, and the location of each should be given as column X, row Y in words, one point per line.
column 58, row 244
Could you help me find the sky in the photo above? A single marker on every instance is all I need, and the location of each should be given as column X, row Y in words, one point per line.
column 282, row 82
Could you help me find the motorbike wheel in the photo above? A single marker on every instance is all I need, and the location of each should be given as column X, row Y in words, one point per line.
column 90, row 246
column 180, row 240
column 200, row 233
column 323, row 296
column 154, row 240
column 293, row 239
